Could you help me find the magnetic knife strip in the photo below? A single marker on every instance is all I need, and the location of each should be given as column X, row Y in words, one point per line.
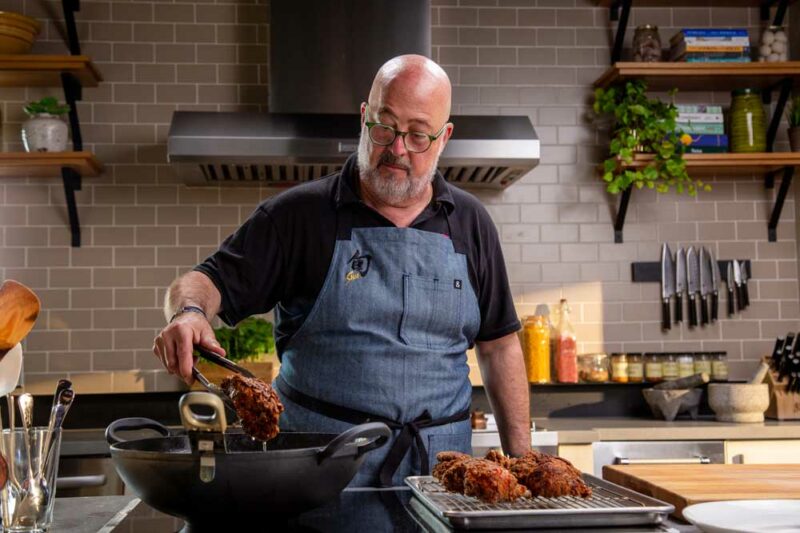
column 647, row 271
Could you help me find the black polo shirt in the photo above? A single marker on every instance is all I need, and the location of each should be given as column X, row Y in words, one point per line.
column 281, row 254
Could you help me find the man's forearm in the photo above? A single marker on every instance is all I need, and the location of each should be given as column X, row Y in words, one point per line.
column 193, row 288
column 506, row 384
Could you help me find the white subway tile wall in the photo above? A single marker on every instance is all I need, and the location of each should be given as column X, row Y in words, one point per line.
column 141, row 227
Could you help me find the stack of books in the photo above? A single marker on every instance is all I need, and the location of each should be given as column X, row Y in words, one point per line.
column 710, row 45
column 702, row 129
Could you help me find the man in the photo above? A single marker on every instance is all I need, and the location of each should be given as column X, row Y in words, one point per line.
column 381, row 276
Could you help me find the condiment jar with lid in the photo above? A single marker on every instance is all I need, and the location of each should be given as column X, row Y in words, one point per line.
column 702, row 363
column 685, row 365
column 748, row 122
column 619, row 368
column 646, row 44
column 719, row 366
column 635, row 368
column 593, row 368
column 653, row 368
column 774, row 45
column 669, row 366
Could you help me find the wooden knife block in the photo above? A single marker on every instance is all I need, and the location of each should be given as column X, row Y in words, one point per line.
column 783, row 405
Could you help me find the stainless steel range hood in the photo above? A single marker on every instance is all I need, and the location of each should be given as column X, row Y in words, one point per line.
column 323, row 54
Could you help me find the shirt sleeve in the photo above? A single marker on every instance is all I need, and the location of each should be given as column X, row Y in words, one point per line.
column 247, row 269
column 498, row 314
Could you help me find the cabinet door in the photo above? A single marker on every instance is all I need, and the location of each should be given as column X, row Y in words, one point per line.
column 762, row 452
column 580, row 455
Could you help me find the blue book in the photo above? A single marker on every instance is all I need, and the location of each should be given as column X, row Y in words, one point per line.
column 714, row 32
column 702, row 141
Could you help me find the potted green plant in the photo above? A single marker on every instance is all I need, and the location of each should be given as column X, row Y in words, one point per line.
column 643, row 125
column 793, row 118
column 249, row 344
column 45, row 131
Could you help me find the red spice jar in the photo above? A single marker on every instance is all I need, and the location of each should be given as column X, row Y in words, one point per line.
column 566, row 348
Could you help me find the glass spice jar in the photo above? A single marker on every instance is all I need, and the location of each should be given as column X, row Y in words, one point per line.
column 619, row 368
column 774, row 45
column 719, row 366
column 646, row 44
column 702, row 363
column 635, row 368
column 685, row 365
column 536, row 348
column 747, row 122
column 593, row 368
column 669, row 366
column 653, row 368
column 566, row 347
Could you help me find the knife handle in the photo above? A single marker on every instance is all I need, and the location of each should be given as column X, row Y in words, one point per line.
column 703, row 310
column 745, row 295
column 678, row 308
column 714, row 306
column 739, row 297
column 692, row 311
column 731, row 306
column 665, row 316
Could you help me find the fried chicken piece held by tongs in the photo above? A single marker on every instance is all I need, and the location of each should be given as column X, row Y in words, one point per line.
column 256, row 403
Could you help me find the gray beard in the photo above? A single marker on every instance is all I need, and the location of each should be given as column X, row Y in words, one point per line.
column 389, row 190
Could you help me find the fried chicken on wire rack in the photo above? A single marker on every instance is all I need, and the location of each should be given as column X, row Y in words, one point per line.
column 549, row 476
column 498, row 477
column 256, row 403
column 482, row 479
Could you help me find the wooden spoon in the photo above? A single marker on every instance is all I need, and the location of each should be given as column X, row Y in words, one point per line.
column 19, row 308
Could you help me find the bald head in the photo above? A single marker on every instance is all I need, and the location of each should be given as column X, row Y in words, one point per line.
column 418, row 80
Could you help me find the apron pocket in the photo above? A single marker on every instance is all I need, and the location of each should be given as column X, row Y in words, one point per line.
column 431, row 312
column 445, row 442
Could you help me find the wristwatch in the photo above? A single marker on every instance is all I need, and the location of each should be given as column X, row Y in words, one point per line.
column 188, row 309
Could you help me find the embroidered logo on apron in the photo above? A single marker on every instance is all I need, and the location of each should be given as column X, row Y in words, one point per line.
column 359, row 266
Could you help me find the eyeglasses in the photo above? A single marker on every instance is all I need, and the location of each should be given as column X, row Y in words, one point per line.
column 414, row 141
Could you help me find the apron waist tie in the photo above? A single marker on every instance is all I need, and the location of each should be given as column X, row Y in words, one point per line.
column 409, row 432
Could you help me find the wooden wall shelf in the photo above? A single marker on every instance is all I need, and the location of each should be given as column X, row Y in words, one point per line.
column 31, row 70
column 48, row 164
column 730, row 163
column 702, row 76
column 688, row 3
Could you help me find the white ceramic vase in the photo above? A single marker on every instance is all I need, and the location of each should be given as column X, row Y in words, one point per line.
column 45, row 133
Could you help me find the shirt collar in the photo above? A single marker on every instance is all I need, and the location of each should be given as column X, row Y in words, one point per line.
column 345, row 190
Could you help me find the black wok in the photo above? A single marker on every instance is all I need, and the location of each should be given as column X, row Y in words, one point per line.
column 292, row 473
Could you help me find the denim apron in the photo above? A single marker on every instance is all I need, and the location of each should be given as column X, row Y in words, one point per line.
column 386, row 340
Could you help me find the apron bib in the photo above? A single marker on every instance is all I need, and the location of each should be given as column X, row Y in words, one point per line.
column 386, row 340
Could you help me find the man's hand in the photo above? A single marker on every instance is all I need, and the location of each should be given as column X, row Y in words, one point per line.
column 174, row 345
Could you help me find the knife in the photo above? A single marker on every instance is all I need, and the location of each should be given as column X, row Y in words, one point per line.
column 745, row 291
column 729, row 283
column 714, row 285
column 775, row 359
column 693, row 281
column 667, row 284
column 705, row 285
column 737, row 278
column 680, row 284
column 789, row 347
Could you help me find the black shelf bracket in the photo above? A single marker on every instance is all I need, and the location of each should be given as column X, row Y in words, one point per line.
column 70, row 7
column 72, row 183
column 788, row 173
column 73, row 91
column 780, row 13
column 619, row 10
column 619, row 223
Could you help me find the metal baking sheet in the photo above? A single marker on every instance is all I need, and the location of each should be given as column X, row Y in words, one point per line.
column 609, row 506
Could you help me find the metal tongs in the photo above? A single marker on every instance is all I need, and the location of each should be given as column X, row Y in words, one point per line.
column 224, row 363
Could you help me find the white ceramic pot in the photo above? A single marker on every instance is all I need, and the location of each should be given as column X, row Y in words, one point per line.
column 45, row 133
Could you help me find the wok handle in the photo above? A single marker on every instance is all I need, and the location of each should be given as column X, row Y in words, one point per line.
column 132, row 424
column 377, row 434
column 193, row 422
